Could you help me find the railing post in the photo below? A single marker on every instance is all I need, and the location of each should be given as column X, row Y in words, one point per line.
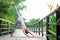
column 31, row 28
column 42, row 27
column 8, row 25
column 34, row 28
column 47, row 27
column 0, row 26
column 39, row 28
column 58, row 24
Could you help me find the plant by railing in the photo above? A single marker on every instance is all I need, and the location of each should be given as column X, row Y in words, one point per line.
column 5, row 26
column 52, row 24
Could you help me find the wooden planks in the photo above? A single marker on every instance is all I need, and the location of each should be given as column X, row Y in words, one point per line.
column 18, row 35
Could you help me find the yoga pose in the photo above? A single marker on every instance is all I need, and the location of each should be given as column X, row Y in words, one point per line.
column 20, row 21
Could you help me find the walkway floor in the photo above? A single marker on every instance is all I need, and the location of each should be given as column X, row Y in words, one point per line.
column 18, row 35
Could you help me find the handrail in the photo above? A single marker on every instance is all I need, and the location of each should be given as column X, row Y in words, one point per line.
column 38, row 26
column 5, row 26
column 47, row 15
column 6, row 20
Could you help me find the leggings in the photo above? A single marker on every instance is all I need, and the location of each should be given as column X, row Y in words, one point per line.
column 18, row 21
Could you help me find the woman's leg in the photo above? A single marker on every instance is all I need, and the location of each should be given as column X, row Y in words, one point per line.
column 12, row 31
column 23, row 30
column 31, row 34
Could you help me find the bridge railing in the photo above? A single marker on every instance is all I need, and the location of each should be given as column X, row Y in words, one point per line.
column 52, row 24
column 5, row 26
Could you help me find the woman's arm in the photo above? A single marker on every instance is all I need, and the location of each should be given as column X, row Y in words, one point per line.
column 17, row 12
column 25, row 33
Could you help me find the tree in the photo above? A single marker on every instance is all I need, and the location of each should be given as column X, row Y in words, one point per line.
column 7, row 10
column 32, row 21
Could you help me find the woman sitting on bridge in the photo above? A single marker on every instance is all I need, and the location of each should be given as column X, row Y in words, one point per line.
column 20, row 21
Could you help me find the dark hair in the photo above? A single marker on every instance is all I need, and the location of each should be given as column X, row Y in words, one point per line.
column 26, row 31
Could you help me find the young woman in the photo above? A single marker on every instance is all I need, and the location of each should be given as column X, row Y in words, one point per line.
column 20, row 21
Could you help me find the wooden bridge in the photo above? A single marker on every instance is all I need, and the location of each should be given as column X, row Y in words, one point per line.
column 18, row 35
column 49, row 25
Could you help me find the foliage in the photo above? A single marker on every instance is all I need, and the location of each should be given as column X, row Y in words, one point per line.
column 7, row 10
column 32, row 21
column 53, row 20
column 50, row 6
column 17, row 1
column 53, row 27
column 4, row 7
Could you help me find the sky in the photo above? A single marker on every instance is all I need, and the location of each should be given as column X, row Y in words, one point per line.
column 38, row 8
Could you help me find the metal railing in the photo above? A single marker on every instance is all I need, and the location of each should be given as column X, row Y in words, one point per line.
column 52, row 24
column 5, row 26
